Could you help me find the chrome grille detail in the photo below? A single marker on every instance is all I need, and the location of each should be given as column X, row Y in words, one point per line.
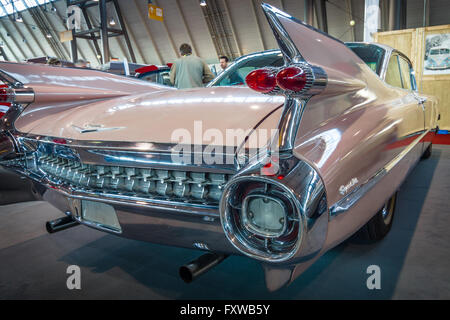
column 172, row 185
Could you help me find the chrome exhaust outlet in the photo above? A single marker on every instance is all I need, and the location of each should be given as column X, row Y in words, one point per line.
column 189, row 272
column 60, row 224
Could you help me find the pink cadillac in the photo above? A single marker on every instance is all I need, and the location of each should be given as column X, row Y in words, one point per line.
column 349, row 126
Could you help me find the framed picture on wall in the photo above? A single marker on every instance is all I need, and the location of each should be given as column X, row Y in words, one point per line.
column 437, row 54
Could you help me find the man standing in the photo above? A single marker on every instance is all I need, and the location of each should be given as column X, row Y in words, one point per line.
column 223, row 62
column 189, row 71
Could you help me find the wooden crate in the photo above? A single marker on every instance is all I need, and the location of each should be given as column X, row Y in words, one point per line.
column 412, row 43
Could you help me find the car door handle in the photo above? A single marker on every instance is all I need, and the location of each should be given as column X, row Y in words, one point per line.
column 422, row 100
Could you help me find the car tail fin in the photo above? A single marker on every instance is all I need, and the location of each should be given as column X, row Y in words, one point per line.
column 299, row 42
column 56, row 84
column 315, row 63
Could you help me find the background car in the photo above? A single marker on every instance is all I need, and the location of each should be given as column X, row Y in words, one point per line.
column 438, row 58
column 154, row 73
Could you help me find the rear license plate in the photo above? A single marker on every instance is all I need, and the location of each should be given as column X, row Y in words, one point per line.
column 100, row 215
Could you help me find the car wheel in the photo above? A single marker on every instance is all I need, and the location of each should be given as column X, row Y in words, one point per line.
column 427, row 152
column 380, row 224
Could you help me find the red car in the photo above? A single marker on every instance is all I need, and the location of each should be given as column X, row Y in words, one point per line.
column 157, row 74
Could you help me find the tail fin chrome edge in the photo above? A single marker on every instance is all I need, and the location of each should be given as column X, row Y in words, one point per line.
column 287, row 46
column 295, row 102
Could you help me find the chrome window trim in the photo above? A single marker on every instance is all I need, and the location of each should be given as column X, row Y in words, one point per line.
column 360, row 191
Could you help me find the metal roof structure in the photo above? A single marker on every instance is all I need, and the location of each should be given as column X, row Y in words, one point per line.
column 223, row 27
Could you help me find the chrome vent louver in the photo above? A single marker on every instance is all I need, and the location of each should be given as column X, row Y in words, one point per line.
column 60, row 165
column 185, row 186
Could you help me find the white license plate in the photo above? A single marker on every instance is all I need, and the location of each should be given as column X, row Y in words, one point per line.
column 100, row 214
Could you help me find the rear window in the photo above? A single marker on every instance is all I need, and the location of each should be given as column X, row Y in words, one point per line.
column 236, row 73
column 371, row 54
column 439, row 51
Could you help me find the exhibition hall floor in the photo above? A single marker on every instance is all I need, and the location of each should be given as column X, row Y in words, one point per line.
column 414, row 258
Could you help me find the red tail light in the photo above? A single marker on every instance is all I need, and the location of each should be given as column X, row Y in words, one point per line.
column 262, row 80
column 5, row 95
column 146, row 69
column 292, row 78
column 299, row 80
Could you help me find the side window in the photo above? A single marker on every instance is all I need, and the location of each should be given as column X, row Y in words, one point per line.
column 405, row 69
column 393, row 73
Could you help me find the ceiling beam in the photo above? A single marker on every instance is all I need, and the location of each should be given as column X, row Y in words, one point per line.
column 255, row 15
column 183, row 19
column 233, row 31
column 13, row 39
column 133, row 39
column 147, row 29
column 30, row 13
column 64, row 27
column 212, row 31
column 97, row 52
column 124, row 31
column 218, row 30
column 18, row 31
column 5, row 44
column 174, row 47
column 43, row 15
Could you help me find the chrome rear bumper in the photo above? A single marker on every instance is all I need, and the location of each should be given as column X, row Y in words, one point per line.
column 161, row 224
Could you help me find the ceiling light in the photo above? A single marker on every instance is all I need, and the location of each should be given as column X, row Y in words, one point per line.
column 203, row 3
column 48, row 35
column 352, row 23
column 112, row 22
column 19, row 18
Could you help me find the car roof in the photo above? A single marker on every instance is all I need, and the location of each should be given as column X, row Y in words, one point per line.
column 440, row 47
column 383, row 46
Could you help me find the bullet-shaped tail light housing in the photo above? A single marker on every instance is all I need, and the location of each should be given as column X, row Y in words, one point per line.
column 262, row 80
column 297, row 80
column 10, row 95
column 292, row 78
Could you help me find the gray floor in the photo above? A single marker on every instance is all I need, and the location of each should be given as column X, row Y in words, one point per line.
column 414, row 258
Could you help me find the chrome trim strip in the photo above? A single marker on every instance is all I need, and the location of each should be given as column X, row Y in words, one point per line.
column 289, row 123
column 73, row 193
column 23, row 95
column 351, row 199
column 5, row 77
column 96, row 225
column 140, row 154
